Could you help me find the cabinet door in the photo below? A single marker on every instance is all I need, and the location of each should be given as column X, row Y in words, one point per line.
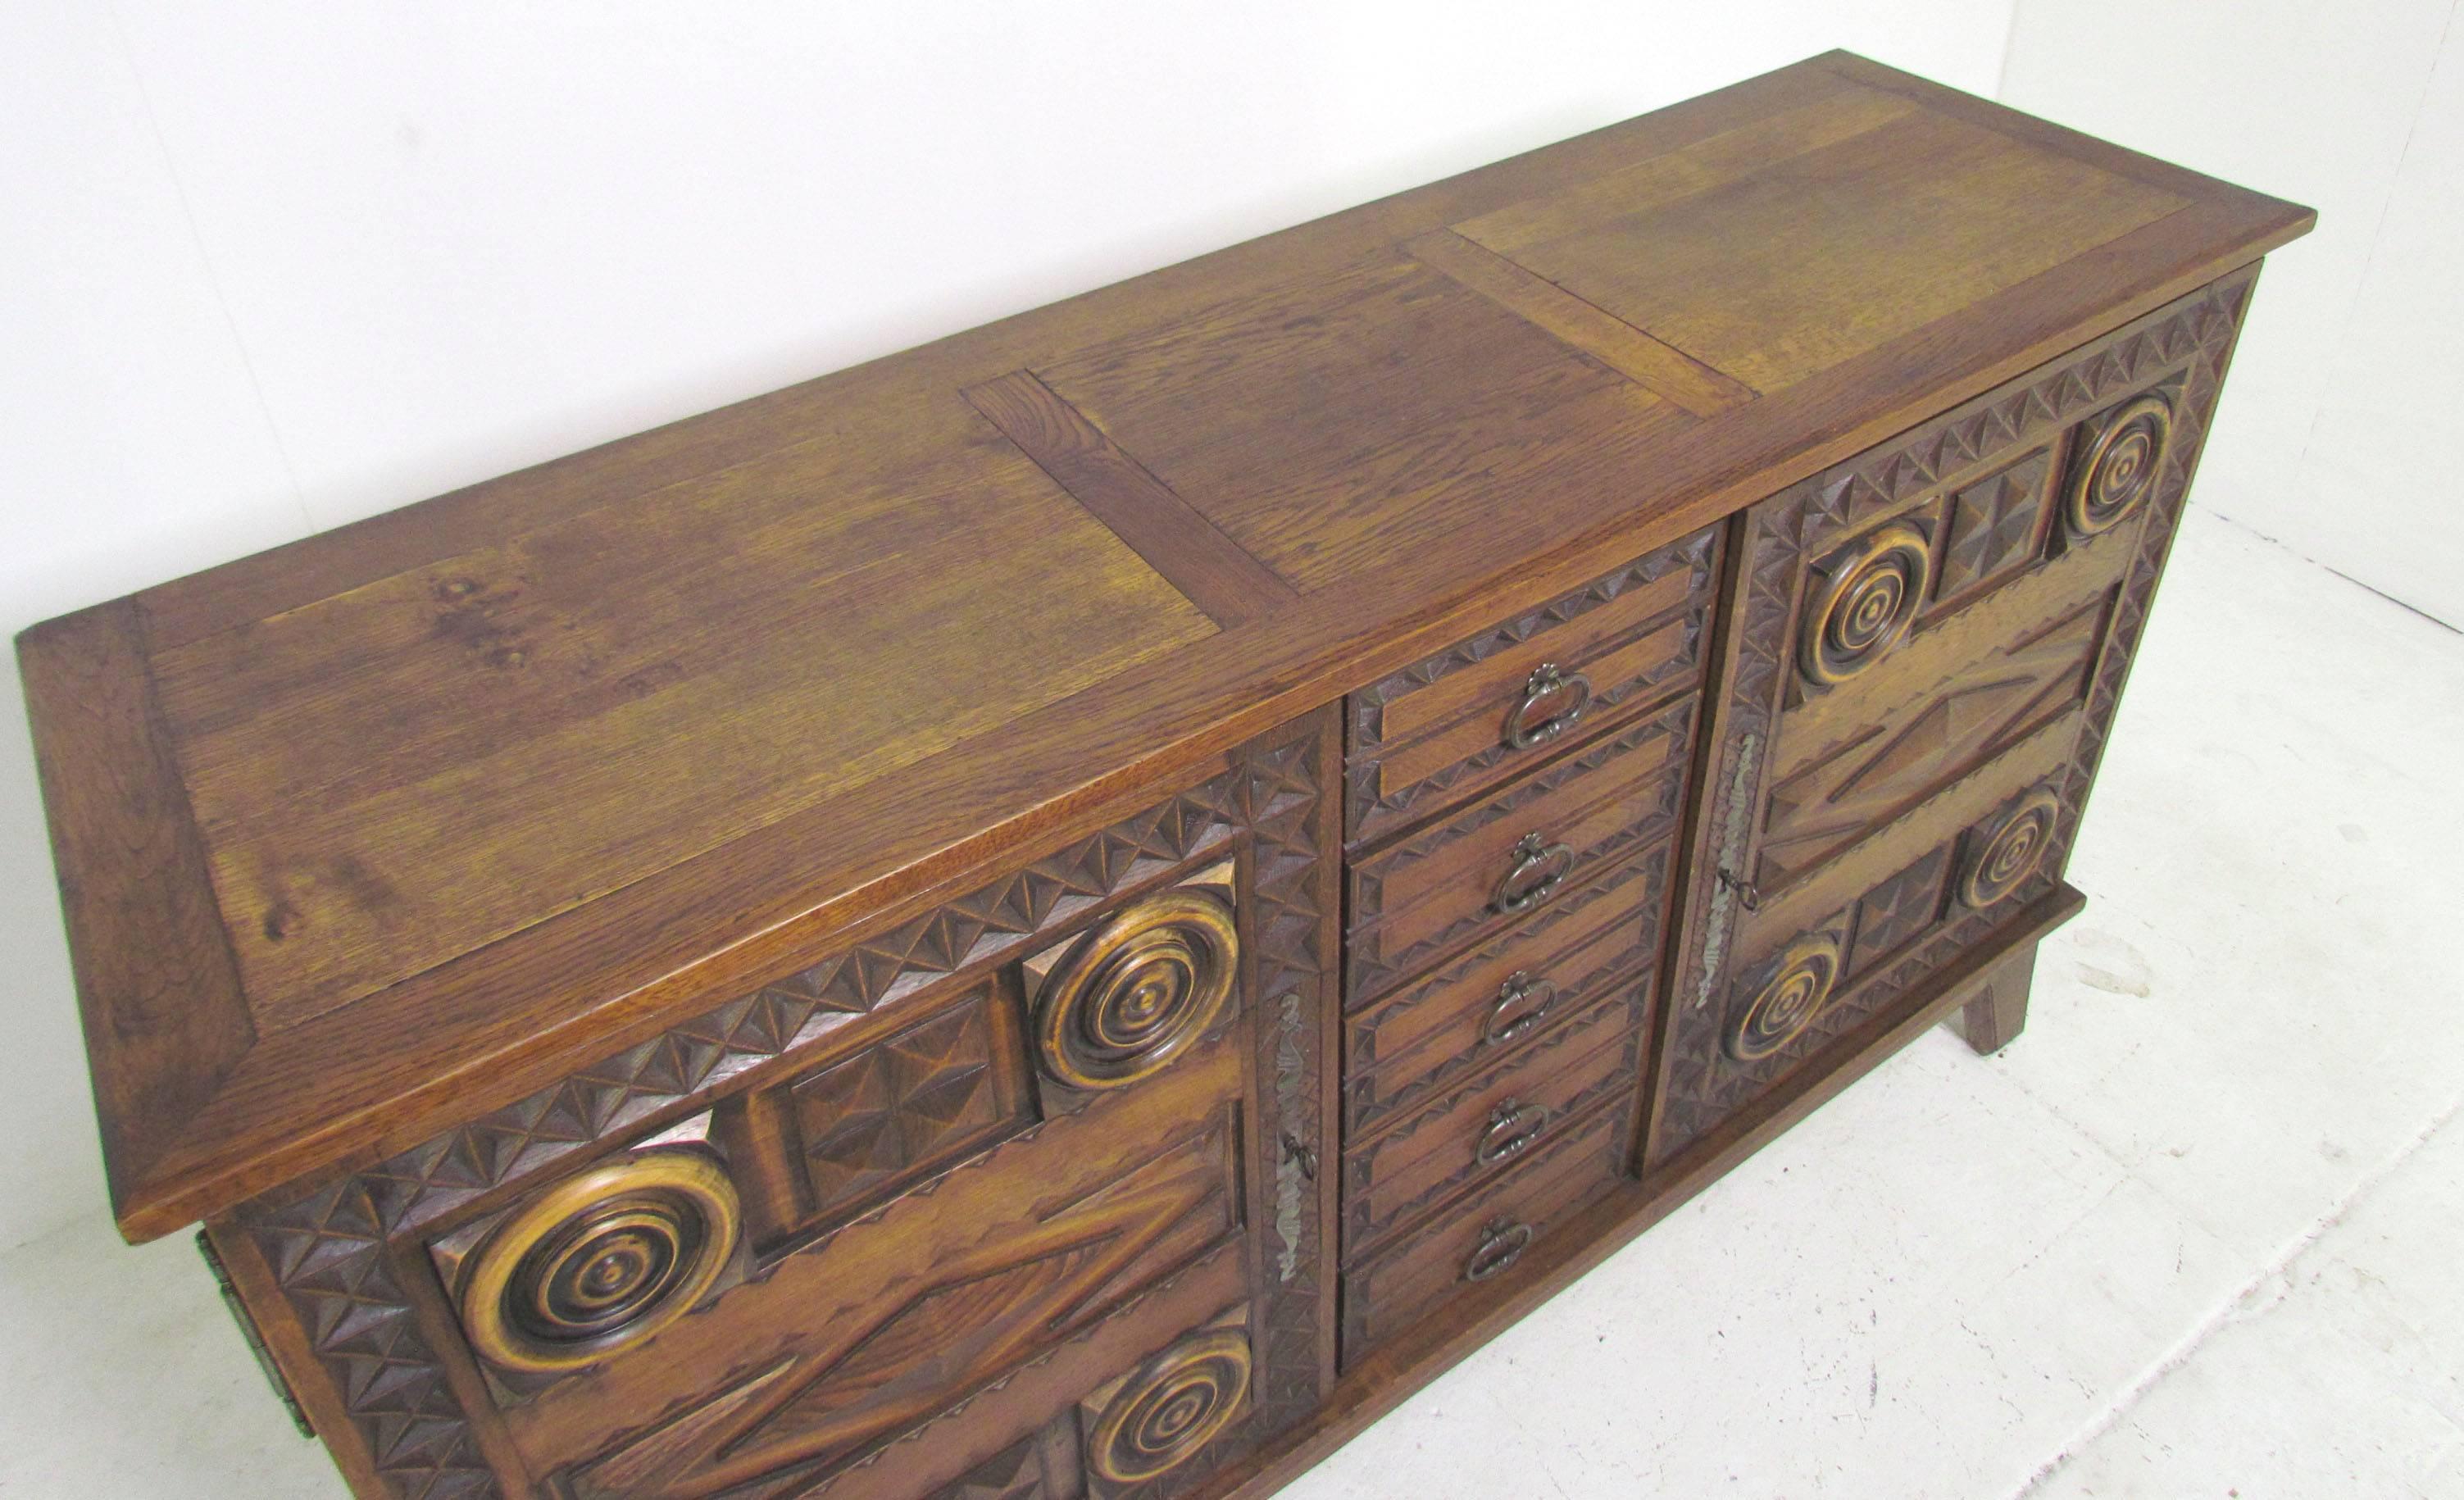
column 1016, row 1190
column 1925, row 655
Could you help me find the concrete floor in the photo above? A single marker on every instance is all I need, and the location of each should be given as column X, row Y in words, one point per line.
column 2193, row 1235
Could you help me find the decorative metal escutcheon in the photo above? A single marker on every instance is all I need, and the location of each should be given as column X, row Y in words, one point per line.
column 1501, row 1245
column 1538, row 868
column 1522, row 1003
column 1548, row 682
column 1511, row 1129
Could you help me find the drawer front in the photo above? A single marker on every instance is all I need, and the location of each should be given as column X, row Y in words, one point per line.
column 1487, row 1234
column 1504, row 995
column 1419, row 899
column 1488, row 1126
column 980, row 1194
column 1442, row 730
column 1930, row 644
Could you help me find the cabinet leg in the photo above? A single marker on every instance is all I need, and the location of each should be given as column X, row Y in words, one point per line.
column 1997, row 1007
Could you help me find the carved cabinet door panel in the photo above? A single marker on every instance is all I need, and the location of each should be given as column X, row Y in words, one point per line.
column 1926, row 654
column 1016, row 1195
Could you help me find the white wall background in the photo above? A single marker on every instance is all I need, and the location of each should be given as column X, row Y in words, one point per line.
column 2349, row 389
column 270, row 266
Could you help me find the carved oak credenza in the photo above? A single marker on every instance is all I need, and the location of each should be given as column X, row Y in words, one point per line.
column 1076, row 911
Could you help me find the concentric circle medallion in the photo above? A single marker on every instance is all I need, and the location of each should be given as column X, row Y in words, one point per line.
column 1174, row 1405
column 1133, row 993
column 1799, row 987
column 2118, row 467
column 2008, row 853
column 1870, row 594
column 600, row 1261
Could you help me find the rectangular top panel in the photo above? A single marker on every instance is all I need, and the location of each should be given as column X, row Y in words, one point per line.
column 400, row 821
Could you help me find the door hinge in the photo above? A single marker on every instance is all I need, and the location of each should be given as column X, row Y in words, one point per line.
column 256, row 1340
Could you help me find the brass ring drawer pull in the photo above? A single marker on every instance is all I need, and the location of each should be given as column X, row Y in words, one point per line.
column 1501, row 1245
column 1547, row 681
column 1539, row 868
column 1513, row 1128
column 1523, row 1002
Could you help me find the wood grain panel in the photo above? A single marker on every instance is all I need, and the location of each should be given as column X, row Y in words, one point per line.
column 590, row 704
column 1914, row 220
column 165, row 1014
column 1232, row 587
column 1391, row 405
column 1632, row 353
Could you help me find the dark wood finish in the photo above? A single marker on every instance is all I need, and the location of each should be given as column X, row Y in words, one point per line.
column 1485, row 1236
column 1378, row 1383
column 1491, row 1124
column 894, row 939
column 1949, row 725
column 1503, row 995
column 1994, row 1018
column 1443, row 730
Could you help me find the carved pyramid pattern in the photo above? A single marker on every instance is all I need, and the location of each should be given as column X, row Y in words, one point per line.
column 891, row 1106
column 1992, row 522
column 333, row 1241
column 1017, row 1472
column 1898, row 910
column 2191, row 340
column 328, row 1256
column 1371, row 807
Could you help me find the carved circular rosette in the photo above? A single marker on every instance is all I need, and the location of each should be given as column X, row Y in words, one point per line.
column 2007, row 852
column 2119, row 468
column 1171, row 1407
column 600, row 1261
column 1799, row 987
column 1870, row 593
column 1137, row 990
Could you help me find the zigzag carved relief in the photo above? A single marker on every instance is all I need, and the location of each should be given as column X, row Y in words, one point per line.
column 2189, row 341
column 329, row 1250
column 1907, row 756
column 982, row 1312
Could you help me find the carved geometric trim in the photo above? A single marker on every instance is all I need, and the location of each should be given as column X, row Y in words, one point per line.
column 328, row 1247
column 1367, row 811
column 1371, row 968
column 1626, row 956
column 2190, row 339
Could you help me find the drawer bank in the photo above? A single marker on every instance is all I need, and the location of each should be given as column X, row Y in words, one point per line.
column 1076, row 911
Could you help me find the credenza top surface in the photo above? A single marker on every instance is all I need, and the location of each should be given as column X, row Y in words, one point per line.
column 405, row 818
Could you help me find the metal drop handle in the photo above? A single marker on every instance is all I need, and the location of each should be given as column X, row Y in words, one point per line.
column 1547, row 681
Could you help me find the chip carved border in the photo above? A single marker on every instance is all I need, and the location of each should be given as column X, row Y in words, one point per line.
column 337, row 1253
column 2192, row 339
column 1372, row 969
column 1630, row 961
column 1370, row 810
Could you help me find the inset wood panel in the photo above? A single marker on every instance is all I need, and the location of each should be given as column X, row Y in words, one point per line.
column 922, row 1098
column 379, row 774
column 1963, row 697
column 1910, row 216
column 1392, row 406
column 895, row 1317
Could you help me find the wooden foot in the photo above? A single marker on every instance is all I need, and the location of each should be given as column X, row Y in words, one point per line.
column 1997, row 1009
